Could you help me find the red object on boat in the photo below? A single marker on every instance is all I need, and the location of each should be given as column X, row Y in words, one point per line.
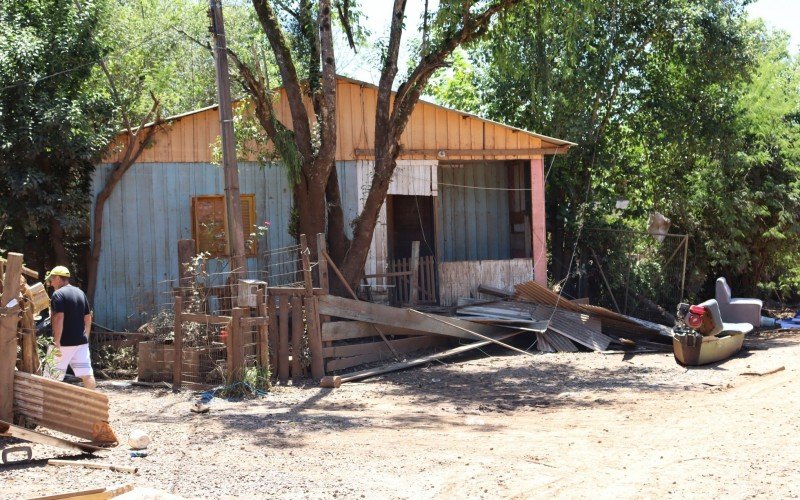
column 695, row 317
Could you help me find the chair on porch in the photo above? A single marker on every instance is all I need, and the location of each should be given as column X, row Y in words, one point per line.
column 737, row 310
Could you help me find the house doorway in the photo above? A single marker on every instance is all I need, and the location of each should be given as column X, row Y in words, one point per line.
column 410, row 219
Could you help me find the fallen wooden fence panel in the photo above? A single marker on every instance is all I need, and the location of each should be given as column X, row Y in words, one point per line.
column 347, row 330
column 63, row 407
column 378, row 351
column 392, row 316
column 335, row 381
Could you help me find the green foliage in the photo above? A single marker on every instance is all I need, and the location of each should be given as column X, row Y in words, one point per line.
column 682, row 106
column 53, row 123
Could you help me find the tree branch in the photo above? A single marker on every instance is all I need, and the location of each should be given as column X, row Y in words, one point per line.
column 291, row 84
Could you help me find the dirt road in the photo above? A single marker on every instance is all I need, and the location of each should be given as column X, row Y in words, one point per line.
column 554, row 425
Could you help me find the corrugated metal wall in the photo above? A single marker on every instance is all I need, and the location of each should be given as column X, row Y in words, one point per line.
column 474, row 222
column 146, row 215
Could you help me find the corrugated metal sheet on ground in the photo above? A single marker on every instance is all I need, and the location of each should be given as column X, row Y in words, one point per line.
column 59, row 406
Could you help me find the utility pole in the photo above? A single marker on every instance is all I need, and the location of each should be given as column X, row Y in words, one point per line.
column 229, row 165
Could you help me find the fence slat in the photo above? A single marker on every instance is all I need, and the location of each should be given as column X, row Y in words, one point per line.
column 297, row 336
column 283, row 340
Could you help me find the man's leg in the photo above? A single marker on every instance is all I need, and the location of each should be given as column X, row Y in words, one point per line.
column 82, row 366
column 89, row 382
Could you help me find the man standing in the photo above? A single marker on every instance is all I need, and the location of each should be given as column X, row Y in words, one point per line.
column 72, row 321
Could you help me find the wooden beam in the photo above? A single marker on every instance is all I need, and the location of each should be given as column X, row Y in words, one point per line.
column 206, row 319
column 392, row 316
column 538, row 223
column 39, row 438
column 8, row 335
column 339, row 275
column 443, row 154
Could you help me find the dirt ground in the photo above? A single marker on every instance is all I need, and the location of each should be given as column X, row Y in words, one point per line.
column 505, row 425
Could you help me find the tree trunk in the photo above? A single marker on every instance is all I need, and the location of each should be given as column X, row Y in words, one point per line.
column 337, row 239
column 310, row 196
column 57, row 240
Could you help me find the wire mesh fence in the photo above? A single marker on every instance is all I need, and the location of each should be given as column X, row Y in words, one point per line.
column 636, row 273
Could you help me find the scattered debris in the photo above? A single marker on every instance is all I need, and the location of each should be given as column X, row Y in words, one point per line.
column 17, row 449
column 763, row 373
column 138, row 439
column 94, row 465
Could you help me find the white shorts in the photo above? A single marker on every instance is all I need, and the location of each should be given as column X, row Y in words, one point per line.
column 76, row 356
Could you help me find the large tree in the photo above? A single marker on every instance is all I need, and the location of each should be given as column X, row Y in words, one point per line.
column 52, row 125
column 651, row 91
column 301, row 40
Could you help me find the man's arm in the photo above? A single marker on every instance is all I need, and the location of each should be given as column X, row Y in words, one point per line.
column 58, row 327
column 87, row 324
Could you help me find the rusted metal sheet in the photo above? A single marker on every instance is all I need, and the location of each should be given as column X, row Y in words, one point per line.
column 62, row 407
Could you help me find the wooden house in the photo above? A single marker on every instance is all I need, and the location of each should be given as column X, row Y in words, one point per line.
column 469, row 189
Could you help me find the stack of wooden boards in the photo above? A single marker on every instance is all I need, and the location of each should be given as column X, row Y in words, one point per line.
column 568, row 322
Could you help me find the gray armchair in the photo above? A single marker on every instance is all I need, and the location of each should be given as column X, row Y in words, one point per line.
column 737, row 310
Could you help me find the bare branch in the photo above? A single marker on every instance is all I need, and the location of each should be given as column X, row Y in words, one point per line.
column 343, row 8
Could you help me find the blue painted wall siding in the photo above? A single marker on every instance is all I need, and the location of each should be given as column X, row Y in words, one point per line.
column 474, row 222
column 149, row 211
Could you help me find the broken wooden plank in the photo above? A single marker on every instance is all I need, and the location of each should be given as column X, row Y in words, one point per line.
column 93, row 465
column 346, row 330
column 336, row 381
column 15, row 431
column 391, row 316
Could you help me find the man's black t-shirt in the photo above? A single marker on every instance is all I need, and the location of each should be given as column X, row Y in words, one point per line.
column 71, row 301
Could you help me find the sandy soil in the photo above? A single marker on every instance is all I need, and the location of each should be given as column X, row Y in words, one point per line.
column 552, row 425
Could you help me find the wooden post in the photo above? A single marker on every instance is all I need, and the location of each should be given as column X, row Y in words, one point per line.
column 413, row 293
column 177, row 344
column 235, row 346
column 297, row 336
column 322, row 264
column 263, row 331
column 283, row 340
column 314, row 337
column 8, row 335
column 306, row 262
column 30, row 358
column 272, row 313
column 230, row 168
column 538, row 229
